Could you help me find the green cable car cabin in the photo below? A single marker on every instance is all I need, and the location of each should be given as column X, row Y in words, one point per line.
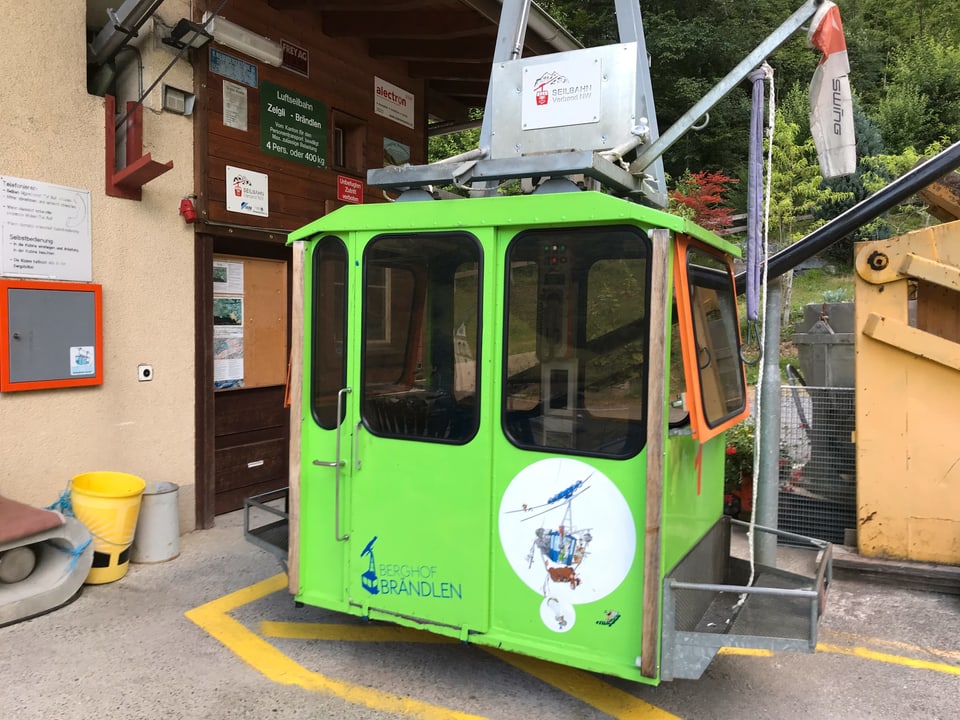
column 510, row 417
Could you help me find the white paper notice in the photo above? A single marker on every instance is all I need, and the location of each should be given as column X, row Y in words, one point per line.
column 44, row 230
column 227, row 277
column 234, row 106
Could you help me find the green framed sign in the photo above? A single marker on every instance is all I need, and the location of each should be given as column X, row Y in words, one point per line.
column 292, row 126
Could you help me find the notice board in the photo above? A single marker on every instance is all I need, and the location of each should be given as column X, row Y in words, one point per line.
column 51, row 335
column 44, row 230
column 249, row 322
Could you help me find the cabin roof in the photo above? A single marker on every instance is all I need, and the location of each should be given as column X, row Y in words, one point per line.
column 520, row 211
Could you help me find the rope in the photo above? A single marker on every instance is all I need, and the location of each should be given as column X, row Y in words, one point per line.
column 64, row 506
column 758, row 430
column 74, row 553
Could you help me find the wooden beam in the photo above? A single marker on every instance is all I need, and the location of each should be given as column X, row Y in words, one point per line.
column 296, row 416
column 656, row 421
column 449, row 71
column 943, row 197
column 398, row 24
column 446, row 108
column 473, row 49
column 911, row 340
column 932, row 271
column 204, row 412
column 461, row 88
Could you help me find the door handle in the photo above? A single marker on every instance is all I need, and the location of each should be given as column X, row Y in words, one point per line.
column 336, row 465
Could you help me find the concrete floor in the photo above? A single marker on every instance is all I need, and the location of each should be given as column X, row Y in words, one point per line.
column 128, row 650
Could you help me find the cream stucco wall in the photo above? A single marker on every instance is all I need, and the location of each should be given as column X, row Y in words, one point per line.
column 52, row 130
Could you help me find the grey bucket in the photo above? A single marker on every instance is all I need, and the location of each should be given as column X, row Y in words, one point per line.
column 158, row 528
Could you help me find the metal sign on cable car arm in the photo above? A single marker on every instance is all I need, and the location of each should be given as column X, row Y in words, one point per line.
column 513, row 408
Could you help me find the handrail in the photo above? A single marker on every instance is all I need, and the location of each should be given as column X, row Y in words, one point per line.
column 336, row 465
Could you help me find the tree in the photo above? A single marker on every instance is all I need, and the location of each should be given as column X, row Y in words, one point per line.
column 797, row 188
column 848, row 190
column 700, row 197
column 921, row 100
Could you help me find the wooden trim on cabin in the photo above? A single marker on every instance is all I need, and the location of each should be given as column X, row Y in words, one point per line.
column 656, row 425
column 296, row 416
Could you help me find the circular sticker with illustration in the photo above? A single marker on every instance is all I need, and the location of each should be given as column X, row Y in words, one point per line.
column 568, row 534
column 556, row 615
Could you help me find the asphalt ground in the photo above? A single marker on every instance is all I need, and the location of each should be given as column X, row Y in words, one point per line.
column 214, row 634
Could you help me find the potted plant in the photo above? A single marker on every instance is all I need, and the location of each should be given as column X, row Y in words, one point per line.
column 738, row 469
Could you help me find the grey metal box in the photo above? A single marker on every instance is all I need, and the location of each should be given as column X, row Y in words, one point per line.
column 51, row 335
column 577, row 100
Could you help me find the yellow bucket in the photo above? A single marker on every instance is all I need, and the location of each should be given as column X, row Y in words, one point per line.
column 108, row 503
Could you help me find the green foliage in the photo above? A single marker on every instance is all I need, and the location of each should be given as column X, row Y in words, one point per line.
column 921, row 101
column 440, row 147
column 817, row 286
column 851, row 189
column 797, row 188
column 739, row 453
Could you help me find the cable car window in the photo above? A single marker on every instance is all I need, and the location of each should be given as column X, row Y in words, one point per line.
column 329, row 355
column 576, row 340
column 378, row 308
column 716, row 335
column 421, row 336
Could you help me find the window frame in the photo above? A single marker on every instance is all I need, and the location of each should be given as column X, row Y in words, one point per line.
column 703, row 429
column 636, row 428
column 416, row 336
column 316, row 341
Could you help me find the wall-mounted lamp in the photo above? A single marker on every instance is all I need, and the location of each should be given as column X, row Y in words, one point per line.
column 243, row 40
column 187, row 34
column 178, row 101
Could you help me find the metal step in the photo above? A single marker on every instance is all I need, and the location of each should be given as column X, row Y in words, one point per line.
column 709, row 604
column 266, row 522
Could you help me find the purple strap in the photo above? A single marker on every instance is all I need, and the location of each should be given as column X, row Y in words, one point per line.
column 755, row 197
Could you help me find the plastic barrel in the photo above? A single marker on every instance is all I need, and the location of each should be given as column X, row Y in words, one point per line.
column 158, row 530
column 108, row 503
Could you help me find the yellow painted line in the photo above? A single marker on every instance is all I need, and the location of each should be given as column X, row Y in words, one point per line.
column 584, row 686
column 279, row 668
column 754, row 652
column 864, row 653
column 867, row 654
column 863, row 640
column 350, row 633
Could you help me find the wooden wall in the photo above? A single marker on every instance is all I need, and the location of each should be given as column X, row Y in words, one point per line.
column 341, row 76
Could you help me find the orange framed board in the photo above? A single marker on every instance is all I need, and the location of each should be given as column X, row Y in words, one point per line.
column 51, row 335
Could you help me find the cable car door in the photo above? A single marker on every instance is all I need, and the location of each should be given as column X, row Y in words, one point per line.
column 325, row 425
column 419, row 509
column 569, row 465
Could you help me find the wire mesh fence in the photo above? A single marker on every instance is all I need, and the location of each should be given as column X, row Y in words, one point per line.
column 818, row 481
